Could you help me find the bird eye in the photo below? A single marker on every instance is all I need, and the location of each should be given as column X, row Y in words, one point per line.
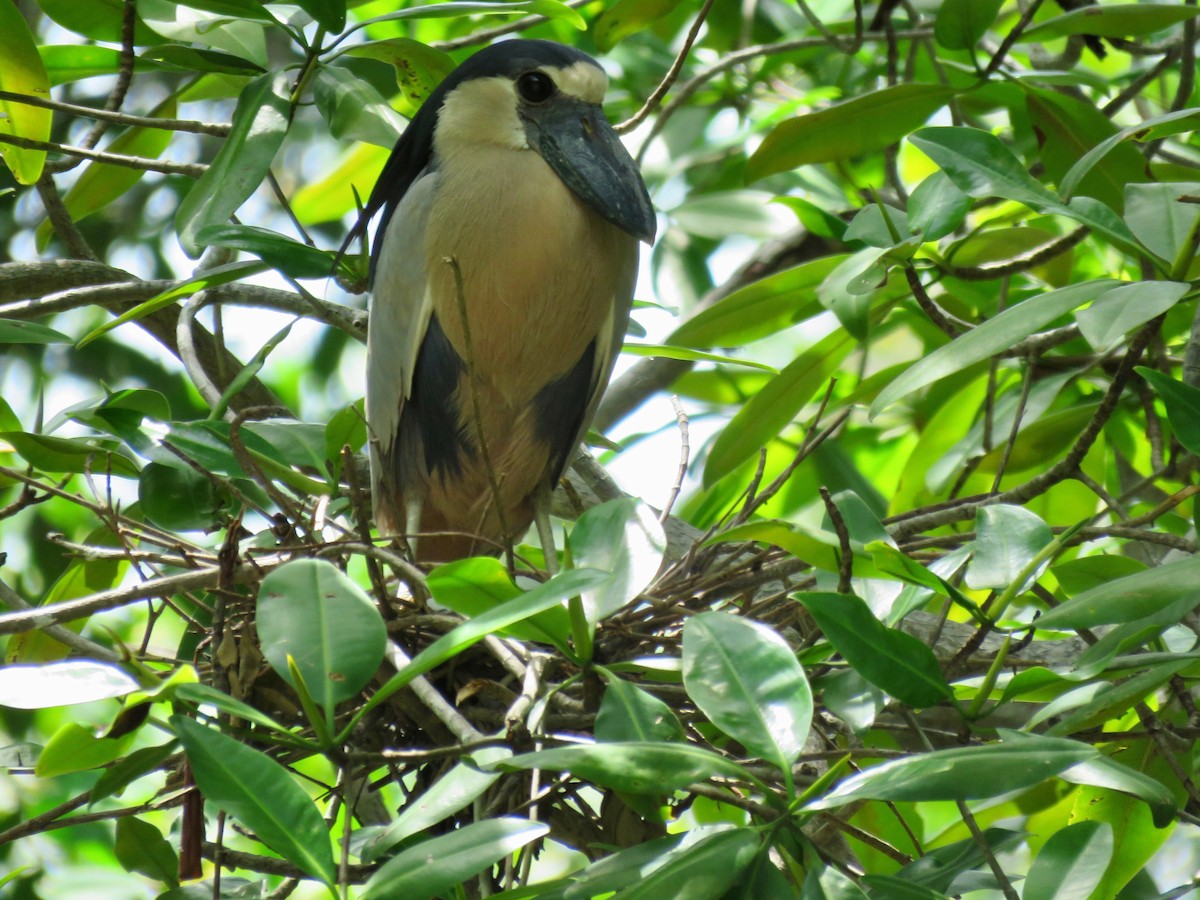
column 535, row 87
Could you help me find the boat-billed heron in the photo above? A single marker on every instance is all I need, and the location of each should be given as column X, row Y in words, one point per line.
column 502, row 274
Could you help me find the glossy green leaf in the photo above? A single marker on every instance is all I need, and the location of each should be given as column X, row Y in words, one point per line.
column 141, row 848
column 860, row 125
column 22, row 72
column 961, row 23
column 259, row 793
column 1110, row 701
column 551, row 9
column 759, row 309
column 628, row 713
column 276, row 250
column 432, row 867
column 237, row 35
column 1131, row 598
column 118, row 776
column 668, row 351
column 981, row 165
column 1117, row 312
column 474, row 586
column 942, row 867
column 311, row 612
column 353, row 109
column 62, row 683
column 628, row 866
column 1107, row 772
column 961, row 773
column 989, row 338
column 626, row 17
column 634, row 767
column 101, row 184
column 1113, row 21
column 16, row 331
column 725, row 213
column 706, row 870
column 1007, row 539
column 890, row 659
column 621, row 537
column 745, row 678
column 260, row 123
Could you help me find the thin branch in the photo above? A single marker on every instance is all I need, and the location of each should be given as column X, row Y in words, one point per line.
column 192, row 170
column 119, row 118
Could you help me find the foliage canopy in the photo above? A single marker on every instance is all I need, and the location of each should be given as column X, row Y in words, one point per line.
column 921, row 621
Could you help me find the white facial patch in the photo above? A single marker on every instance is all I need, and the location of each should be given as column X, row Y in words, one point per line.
column 483, row 110
column 582, row 80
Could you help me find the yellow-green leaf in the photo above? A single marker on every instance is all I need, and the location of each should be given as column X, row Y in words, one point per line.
column 22, row 72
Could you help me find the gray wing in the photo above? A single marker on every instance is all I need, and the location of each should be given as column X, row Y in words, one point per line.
column 399, row 318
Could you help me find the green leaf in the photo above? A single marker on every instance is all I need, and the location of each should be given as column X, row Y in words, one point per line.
column 1067, row 129
column 546, row 596
column 120, row 774
column 989, row 338
column 621, row 537
column 669, row 351
column 203, row 694
column 434, row 866
column 353, row 109
column 890, row 659
column 61, row 455
column 981, row 165
column 1070, row 864
column 329, row 14
column 1117, row 312
column 475, row 586
column 100, row 20
column 213, row 277
column 635, row 767
column 961, row 23
column 1183, row 406
column 1161, row 217
column 937, row 207
column 453, row 791
column 628, row 713
column 277, row 251
column 1007, row 539
column 722, row 214
column 22, row 72
column 861, row 125
column 180, row 498
column 774, row 407
column 1148, row 129
column 76, row 748
column 1106, row 772
column 63, row 683
column 419, row 68
column 939, row 869
column 1116, row 21
column 626, row 17
column 310, row 611
column 237, row 34
column 706, row 870
column 747, row 681
column 15, row 331
column 758, row 310
column 101, row 184
column 963, row 773
column 261, row 794
column 141, row 848
column 1131, row 598
column 260, row 123
column 628, row 866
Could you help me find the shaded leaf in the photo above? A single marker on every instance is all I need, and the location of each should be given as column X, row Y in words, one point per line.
column 1114, row 21
column 22, row 72
column 890, row 659
column 1131, row 598
column 628, row 713
column 961, row 23
column 1007, row 539
column 621, row 537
